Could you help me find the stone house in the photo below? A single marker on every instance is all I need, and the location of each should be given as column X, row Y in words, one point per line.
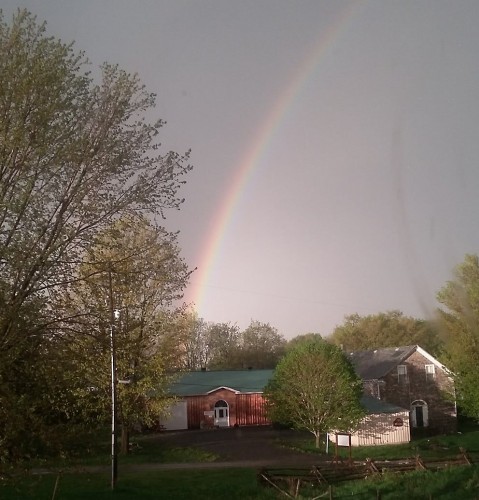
column 409, row 377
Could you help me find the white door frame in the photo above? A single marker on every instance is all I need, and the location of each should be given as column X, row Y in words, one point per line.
column 222, row 413
column 419, row 403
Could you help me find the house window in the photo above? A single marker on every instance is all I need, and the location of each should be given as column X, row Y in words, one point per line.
column 430, row 372
column 402, row 374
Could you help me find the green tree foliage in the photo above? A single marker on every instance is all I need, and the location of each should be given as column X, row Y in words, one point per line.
column 459, row 319
column 224, row 346
column 261, row 346
column 194, row 341
column 305, row 337
column 135, row 268
column 75, row 155
column 315, row 388
column 258, row 346
column 389, row 329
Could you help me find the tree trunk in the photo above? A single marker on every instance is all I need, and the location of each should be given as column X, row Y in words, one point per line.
column 125, row 440
column 317, row 435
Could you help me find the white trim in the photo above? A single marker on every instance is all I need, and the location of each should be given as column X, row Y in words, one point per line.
column 403, row 376
column 224, row 387
column 430, row 371
column 433, row 360
column 219, row 421
column 403, row 370
column 420, row 403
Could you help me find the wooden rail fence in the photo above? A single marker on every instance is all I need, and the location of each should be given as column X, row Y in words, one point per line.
column 288, row 481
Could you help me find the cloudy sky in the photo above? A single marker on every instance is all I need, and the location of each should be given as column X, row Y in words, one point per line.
column 335, row 145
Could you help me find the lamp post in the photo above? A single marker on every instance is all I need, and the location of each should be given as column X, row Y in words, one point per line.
column 114, row 315
column 114, row 457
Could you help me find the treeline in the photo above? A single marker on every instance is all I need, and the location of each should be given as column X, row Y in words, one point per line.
column 223, row 346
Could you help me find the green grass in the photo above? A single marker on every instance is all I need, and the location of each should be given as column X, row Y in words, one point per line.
column 456, row 482
column 176, row 484
column 238, row 484
column 145, row 449
column 150, row 449
column 449, row 484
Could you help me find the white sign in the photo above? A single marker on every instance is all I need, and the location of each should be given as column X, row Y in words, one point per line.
column 209, row 413
column 343, row 439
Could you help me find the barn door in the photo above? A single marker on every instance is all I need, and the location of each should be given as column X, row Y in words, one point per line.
column 222, row 418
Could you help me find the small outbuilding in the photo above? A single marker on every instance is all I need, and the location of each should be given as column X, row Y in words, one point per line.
column 384, row 424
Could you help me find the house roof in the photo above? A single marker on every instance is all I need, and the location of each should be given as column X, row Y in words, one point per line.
column 375, row 364
column 204, row 382
column 371, row 365
column 373, row 405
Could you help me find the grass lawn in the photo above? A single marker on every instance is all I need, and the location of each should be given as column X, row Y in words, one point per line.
column 176, row 484
column 150, row 448
column 456, row 482
column 449, row 484
column 460, row 482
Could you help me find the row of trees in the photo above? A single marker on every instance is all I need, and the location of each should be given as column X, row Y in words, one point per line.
column 387, row 329
column 215, row 346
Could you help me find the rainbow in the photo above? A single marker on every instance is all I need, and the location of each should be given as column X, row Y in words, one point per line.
column 257, row 150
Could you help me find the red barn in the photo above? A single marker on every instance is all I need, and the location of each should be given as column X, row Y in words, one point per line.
column 218, row 399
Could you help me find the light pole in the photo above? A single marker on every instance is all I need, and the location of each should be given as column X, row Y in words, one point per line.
column 114, row 315
column 114, row 457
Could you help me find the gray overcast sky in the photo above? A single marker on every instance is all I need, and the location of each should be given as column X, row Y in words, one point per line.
column 365, row 194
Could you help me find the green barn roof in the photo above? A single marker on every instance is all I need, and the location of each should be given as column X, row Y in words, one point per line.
column 203, row 382
column 195, row 383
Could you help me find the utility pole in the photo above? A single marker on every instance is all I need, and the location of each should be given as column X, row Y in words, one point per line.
column 114, row 314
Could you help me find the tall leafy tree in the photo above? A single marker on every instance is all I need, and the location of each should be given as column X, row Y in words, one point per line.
column 315, row 388
column 133, row 267
column 459, row 319
column 258, row 346
column 195, row 342
column 302, row 338
column 389, row 329
column 75, row 155
column 261, row 345
column 224, row 346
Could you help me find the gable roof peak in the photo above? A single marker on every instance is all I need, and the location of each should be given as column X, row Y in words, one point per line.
column 377, row 363
column 374, row 364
